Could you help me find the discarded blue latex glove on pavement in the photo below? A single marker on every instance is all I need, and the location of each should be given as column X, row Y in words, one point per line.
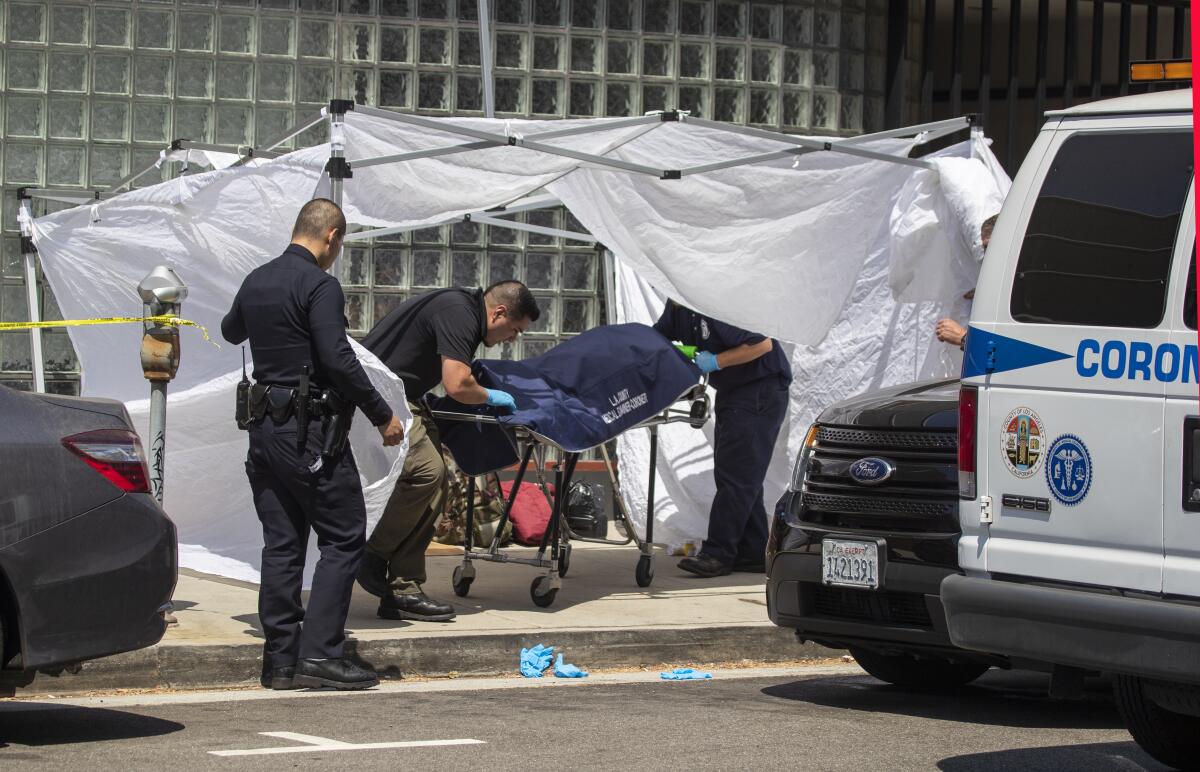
column 536, row 660
column 562, row 670
column 707, row 362
column 685, row 674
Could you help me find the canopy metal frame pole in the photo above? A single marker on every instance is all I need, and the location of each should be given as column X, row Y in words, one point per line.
column 475, row 217
column 244, row 151
column 306, row 123
column 813, row 144
column 525, row 204
column 29, row 257
column 485, row 57
column 539, row 229
column 484, row 144
column 337, row 168
column 131, row 178
column 502, row 139
column 66, row 196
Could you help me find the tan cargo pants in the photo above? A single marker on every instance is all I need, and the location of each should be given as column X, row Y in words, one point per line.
column 405, row 529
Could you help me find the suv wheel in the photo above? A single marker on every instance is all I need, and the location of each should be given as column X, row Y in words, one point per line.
column 1171, row 737
column 913, row 672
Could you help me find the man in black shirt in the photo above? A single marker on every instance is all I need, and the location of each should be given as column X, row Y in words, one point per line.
column 427, row 340
column 293, row 313
column 751, row 376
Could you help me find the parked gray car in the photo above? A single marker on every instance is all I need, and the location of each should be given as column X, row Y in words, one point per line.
column 87, row 557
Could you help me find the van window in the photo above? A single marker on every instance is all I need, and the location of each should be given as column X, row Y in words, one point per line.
column 1097, row 251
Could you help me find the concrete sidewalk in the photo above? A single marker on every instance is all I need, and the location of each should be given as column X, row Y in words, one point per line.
column 601, row 618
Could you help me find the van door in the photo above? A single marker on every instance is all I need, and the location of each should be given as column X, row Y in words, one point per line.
column 1074, row 409
column 1181, row 429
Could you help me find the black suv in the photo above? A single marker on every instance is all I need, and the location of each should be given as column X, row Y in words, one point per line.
column 868, row 529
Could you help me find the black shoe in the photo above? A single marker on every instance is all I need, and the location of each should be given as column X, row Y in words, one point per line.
column 278, row 678
column 704, row 565
column 414, row 606
column 334, row 674
column 750, row 566
column 373, row 575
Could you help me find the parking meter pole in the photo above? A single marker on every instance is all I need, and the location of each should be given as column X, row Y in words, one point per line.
column 158, row 436
column 162, row 293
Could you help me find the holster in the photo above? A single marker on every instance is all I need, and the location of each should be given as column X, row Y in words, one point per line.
column 338, row 414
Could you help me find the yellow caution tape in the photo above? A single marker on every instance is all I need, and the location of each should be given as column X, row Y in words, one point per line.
column 172, row 321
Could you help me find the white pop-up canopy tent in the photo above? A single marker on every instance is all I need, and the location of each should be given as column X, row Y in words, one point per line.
column 766, row 230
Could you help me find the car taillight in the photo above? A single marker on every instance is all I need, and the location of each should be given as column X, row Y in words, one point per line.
column 968, row 409
column 114, row 453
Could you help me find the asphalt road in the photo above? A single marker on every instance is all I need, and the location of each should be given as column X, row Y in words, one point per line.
column 819, row 719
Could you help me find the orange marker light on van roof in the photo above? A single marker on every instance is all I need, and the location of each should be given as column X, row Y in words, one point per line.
column 1160, row 70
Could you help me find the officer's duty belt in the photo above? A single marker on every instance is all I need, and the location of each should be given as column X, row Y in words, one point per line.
column 280, row 402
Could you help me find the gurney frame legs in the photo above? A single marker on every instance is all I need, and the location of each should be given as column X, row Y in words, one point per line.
column 544, row 587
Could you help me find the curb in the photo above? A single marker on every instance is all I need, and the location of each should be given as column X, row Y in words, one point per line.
column 206, row 666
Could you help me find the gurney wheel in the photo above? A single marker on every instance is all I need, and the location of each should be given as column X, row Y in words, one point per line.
column 462, row 584
column 543, row 595
column 564, row 560
column 645, row 571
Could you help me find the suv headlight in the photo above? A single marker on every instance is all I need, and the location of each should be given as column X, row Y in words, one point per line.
column 810, row 440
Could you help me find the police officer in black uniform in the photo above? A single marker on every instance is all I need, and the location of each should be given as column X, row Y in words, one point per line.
column 308, row 384
column 751, row 376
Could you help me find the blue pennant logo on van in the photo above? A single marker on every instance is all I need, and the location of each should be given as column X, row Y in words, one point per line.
column 871, row 470
column 1069, row 469
column 989, row 352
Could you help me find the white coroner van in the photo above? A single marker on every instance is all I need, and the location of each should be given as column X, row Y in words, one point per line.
column 1079, row 422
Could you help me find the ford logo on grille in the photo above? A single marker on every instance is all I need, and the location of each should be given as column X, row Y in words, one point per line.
column 872, row 470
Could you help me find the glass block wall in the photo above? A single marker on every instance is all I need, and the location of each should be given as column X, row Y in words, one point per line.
column 92, row 90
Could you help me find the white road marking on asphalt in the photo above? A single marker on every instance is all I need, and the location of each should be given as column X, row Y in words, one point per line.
column 313, row 744
column 34, row 703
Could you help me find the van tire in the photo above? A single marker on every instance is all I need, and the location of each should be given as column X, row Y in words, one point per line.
column 1170, row 737
column 909, row 671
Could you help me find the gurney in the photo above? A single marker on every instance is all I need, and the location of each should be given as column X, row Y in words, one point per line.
column 575, row 397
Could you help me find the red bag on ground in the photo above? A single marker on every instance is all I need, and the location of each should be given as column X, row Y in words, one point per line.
column 530, row 512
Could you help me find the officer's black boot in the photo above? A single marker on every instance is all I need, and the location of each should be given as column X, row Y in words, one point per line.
column 278, row 677
column 338, row 673
column 373, row 575
column 416, row 606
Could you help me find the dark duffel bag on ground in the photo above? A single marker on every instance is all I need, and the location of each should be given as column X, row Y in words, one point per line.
column 586, row 511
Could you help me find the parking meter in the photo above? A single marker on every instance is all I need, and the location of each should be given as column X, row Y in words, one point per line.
column 162, row 293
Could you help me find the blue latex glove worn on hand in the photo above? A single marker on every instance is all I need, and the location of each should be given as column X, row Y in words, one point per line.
column 536, row 660
column 503, row 399
column 685, row 674
column 707, row 362
column 562, row 670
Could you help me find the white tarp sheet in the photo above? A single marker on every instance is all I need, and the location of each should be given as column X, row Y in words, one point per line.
column 880, row 337
column 777, row 247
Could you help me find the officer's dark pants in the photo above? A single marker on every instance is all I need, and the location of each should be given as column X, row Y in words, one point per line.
column 747, row 423
column 290, row 500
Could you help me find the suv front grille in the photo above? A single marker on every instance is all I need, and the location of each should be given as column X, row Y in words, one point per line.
column 920, row 496
column 866, row 505
column 876, row 440
column 882, row 607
